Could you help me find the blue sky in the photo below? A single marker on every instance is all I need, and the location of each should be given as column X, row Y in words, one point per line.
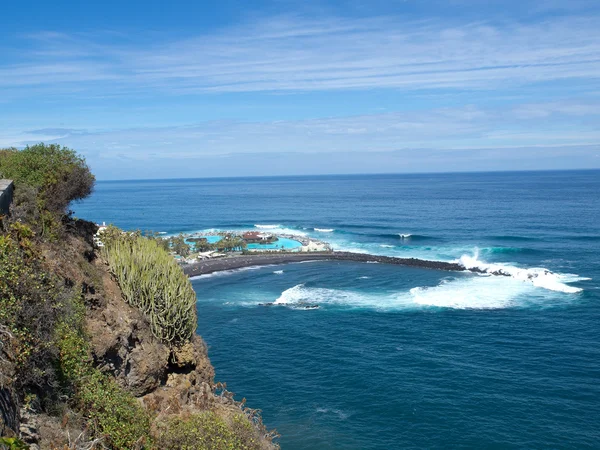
column 160, row 89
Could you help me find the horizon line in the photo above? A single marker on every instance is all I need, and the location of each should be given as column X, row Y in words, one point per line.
column 465, row 172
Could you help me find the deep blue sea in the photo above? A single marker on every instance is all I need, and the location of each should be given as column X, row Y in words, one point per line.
column 400, row 357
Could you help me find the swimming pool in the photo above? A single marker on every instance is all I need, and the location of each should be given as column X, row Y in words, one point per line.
column 281, row 243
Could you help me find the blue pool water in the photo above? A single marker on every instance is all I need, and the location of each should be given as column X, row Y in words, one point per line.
column 401, row 357
column 281, row 243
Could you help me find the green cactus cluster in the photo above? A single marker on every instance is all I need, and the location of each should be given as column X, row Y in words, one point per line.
column 152, row 281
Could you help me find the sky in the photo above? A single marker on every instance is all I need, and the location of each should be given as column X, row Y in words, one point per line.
column 180, row 89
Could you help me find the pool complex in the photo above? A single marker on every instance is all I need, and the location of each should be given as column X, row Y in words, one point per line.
column 281, row 243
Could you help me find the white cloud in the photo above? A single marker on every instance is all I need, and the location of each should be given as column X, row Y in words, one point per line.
column 294, row 54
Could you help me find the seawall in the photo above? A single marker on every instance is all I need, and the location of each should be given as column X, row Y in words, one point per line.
column 238, row 262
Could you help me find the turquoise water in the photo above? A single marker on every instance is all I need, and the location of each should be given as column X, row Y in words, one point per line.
column 281, row 243
column 401, row 357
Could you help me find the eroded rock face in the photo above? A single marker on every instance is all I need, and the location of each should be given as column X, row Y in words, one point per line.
column 123, row 344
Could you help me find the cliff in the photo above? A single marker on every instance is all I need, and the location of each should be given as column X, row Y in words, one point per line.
column 170, row 382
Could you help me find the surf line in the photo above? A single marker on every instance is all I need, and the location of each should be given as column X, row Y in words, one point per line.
column 240, row 261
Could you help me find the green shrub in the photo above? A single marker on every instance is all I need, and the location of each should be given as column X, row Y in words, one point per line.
column 12, row 444
column 113, row 413
column 31, row 300
column 152, row 281
column 59, row 174
column 207, row 431
column 109, row 411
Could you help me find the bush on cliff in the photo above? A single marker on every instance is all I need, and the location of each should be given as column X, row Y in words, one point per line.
column 108, row 410
column 207, row 431
column 59, row 174
column 31, row 301
column 152, row 281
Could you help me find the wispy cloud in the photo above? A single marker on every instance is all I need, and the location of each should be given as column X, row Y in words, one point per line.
column 295, row 54
column 442, row 129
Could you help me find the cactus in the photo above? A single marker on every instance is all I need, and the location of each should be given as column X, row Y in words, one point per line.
column 152, row 281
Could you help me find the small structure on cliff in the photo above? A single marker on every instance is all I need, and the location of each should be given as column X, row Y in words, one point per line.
column 6, row 195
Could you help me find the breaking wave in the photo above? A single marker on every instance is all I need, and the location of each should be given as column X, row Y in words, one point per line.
column 267, row 227
column 460, row 293
column 538, row 277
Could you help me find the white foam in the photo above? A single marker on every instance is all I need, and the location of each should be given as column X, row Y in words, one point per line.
column 404, row 236
column 223, row 273
column 278, row 272
column 279, row 229
column 471, row 292
column 324, row 230
column 386, row 246
column 539, row 277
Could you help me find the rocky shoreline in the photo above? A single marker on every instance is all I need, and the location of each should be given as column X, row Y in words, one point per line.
column 237, row 262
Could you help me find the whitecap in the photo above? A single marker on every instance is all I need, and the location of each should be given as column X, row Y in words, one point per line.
column 324, row 230
column 278, row 272
column 267, row 227
column 537, row 276
column 470, row 292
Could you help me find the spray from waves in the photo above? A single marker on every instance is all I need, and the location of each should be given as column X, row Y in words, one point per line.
column 276, row 228
column 267, row 227
column 538, row 277
column 324, row 230
column 458, row 293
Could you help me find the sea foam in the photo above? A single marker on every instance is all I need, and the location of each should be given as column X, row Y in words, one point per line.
column 474, row 292
column 539, row 277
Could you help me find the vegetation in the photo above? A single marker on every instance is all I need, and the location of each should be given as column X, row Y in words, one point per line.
column 207, row 431
column 31, row 302
column 47, row 179
column 228, row 243
column 153, row 282
column 108, row 410
column 42, row 312
column 48, row 285
column 58, row 173
column 179, row 246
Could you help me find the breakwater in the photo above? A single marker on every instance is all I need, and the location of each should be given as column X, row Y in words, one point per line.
column 238, row 262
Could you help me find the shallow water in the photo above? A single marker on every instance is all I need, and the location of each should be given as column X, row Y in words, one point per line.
column 398, row 357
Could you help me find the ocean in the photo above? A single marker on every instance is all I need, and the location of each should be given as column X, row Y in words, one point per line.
column 399, row 357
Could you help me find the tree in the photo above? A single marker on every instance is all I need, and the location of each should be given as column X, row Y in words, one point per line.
column 179, row 246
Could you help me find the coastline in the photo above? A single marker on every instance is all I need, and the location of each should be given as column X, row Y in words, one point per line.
column 238, row 262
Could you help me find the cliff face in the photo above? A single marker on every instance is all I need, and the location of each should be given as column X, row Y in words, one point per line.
column 170, row 382
column 124, row 346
